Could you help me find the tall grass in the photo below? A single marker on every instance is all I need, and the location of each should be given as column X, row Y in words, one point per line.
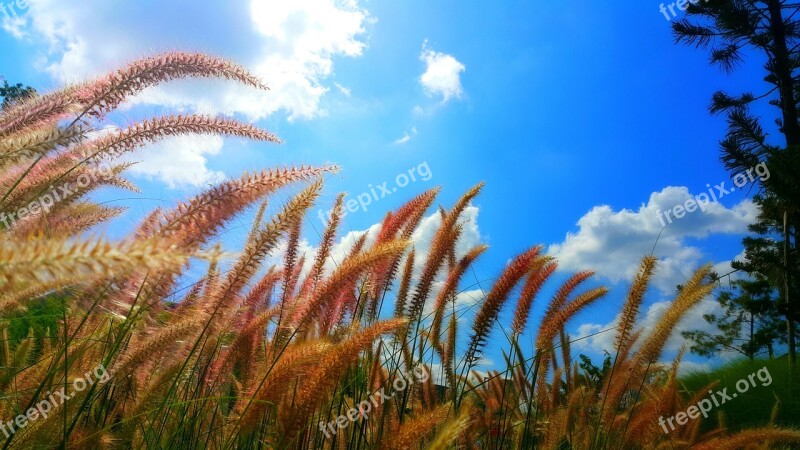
column 264, row 350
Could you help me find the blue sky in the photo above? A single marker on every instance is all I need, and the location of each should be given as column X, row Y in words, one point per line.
column 584, row 118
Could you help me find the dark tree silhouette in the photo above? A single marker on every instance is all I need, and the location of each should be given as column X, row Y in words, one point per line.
column 732, row 30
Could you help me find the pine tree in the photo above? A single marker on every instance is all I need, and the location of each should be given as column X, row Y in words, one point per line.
column 731, row 30
column 750, row 323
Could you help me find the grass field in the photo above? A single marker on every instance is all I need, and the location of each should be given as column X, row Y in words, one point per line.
column 780, row 401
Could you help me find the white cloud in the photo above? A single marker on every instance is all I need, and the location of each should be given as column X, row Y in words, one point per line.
column 614, row 242
column 14, row 24
column 344, row 90
column 301, row 38
column 442, row 76
column 290, row 45
column 600, row 337
column 403, row 140
column 406, row 137
column 179, row 161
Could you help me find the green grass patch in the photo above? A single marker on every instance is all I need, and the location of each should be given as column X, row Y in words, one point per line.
column 41, row 319
column 754, row 407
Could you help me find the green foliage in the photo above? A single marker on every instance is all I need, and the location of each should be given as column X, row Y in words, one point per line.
column 750, row 323
column 595, row 374
column 41, row 319
column 755, row 407
column 764, row 250
column 13, row 93
column 729, row 29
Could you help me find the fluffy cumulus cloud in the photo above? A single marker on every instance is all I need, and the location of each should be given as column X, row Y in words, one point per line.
column 614, row 242
column 291, row 45
column 599, row 338
column 13, row 21
column 179, row 161
column 442, row 76
column 301, row 38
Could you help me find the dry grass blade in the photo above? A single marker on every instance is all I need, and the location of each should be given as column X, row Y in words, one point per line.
column 48, row 260
column 192, row 223
column 158, row 341
column 108, row 93
column 30, row 144
column 488, row 313
column 746, row 438
column 442, row 244
column 449, row 290
column 318, row 384
column 533, row 284
column 258, row 248
column 38, row 112
column 413, row 432
column 695, row 290
column 149, row 131
column 347, row 271
column 634, row 302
